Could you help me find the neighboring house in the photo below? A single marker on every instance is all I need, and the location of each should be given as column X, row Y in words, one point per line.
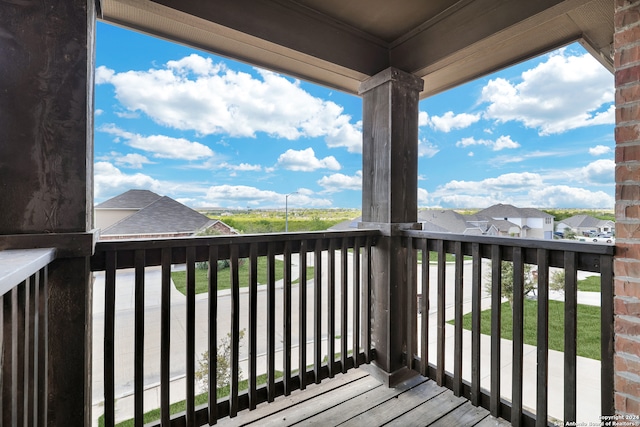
column 586, row 224
column 449, row 221
column 145, row 214
column 527, row 222
column 497, row 220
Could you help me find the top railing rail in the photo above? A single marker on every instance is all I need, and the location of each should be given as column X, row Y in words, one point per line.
column 588, row 253
column 17, row 265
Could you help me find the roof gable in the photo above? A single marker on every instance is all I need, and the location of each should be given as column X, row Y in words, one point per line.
column 132, row 199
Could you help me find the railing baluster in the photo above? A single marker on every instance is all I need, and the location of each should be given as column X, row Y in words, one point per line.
column 344, row 310
column 6, row 356
column 424, row 309
column 191, row 336
column 19, row 348
column 476, row 308
column 109, row 339
column 212, row 344
column 570, row 335
column 496, row 328
column 43, row 345
column 28, row 351
column 331, row 303
column 366, row 301
column 457, row 347
column 317, row 311
column 356, row 301
column 35, row 394
column 287, row 318
column 235, row 330
column 518, row 337
column 542, row 383
column 302, row 307
column 165, row 336
column 271, row 323
column 253, row 324
column 411, row 302
column 138, row 353
column 606, row 334
column 441, row 313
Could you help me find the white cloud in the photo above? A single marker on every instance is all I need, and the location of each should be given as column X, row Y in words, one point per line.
column 423, row 118
column 103, row 75
column 427, row 149
column 131, row 160
column 195, row 94
column 601, row 171
column 450, row 121
column 110, row 181
column 423, row 196
column 241, row 196
column 599, row 150
column 339, row 182
column 563, row 196
column 160, row 145
column 521, row 189
column 564, row 92
column 98, row 112
column 242, row 167
column 503, row 142
column 502, row 160
column 306, row 161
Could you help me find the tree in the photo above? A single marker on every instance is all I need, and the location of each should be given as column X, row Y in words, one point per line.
column 507, row 281
column 556, row 281
column 223, row 364
column 569, row 233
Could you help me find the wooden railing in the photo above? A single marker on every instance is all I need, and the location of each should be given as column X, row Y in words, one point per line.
column 479, row 250
column 327, row 331
column 23, row 336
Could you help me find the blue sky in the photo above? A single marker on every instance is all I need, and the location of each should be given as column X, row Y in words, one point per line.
column 209, row 131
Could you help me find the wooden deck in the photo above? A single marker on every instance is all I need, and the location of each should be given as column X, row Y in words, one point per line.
column 357, row 399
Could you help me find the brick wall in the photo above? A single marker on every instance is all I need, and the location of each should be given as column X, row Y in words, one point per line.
column 627, row 262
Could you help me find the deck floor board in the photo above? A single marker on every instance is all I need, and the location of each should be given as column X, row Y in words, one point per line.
column 357, row 399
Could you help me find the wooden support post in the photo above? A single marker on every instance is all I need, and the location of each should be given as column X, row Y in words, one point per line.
column 389, row 202
column 46, row 173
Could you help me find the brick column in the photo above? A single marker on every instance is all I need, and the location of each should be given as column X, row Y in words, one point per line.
column 627, row 260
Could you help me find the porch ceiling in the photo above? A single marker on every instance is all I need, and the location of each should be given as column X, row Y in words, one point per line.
column 341, row 43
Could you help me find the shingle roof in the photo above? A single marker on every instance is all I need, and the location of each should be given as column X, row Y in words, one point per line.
column 446, row 219
column 132, row 199
column 510, row 211
column 163, row 216
column 582, row 221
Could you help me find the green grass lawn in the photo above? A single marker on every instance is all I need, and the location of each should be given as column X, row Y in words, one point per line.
column 433, row 257
column 202, row 284
column 588, row 326
column 590, row 284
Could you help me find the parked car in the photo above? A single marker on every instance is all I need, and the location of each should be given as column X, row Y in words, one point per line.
column 603, row 239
